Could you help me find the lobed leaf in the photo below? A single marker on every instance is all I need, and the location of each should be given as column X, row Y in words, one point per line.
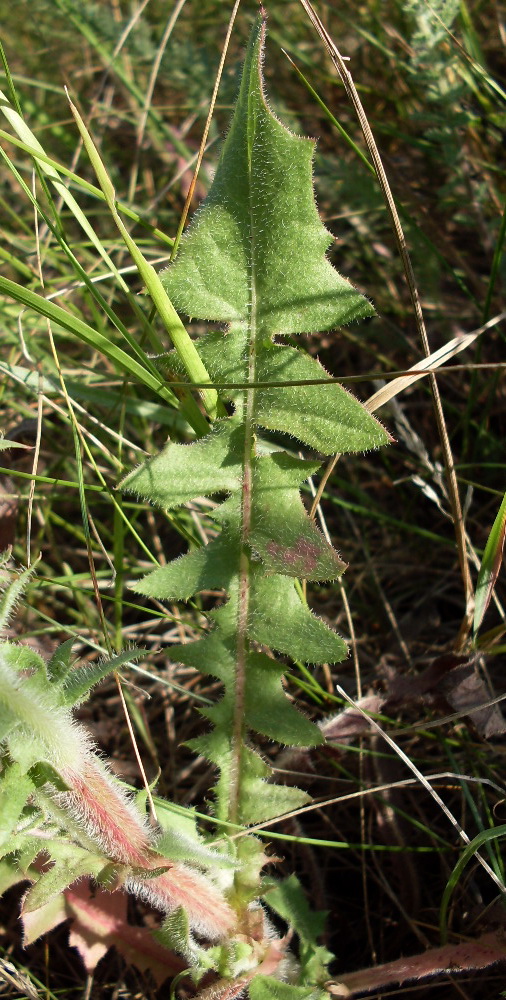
column 254, row 258
column 324, row 417
column 288, row 899
column 70, row 862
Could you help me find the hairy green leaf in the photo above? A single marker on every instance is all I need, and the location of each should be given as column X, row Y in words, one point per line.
column 60, row 664
column 254, row 258
column 15, row 788
column 79, row 681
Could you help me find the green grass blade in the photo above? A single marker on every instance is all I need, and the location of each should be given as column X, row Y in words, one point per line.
column 40, row 156
column 78, row 328
column 177, row 332
column 97, row 341
column 490, row 566
column 467, row 854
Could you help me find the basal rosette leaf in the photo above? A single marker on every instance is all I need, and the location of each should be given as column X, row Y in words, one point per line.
column 58, row 799
column 258, row 800
column 282, row 540
column 282, row 536
column 265, row 706
column 270, row 714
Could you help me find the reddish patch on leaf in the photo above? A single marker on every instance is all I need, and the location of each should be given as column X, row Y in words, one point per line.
column 302, row 558
column 99, row 922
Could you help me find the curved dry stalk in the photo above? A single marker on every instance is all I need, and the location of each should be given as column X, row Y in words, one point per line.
column 453, row 491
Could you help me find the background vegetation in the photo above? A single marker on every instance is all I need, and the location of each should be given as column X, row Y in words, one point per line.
column 430, row 79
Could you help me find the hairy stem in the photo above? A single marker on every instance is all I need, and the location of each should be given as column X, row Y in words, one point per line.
column 238, row 733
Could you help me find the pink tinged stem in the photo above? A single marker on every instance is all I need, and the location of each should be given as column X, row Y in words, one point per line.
column 112, row 821
column 207, row 911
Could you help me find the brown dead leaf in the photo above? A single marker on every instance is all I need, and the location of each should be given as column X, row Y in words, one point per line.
column 350, row 723
column 479, row 954
column 458, row 680
column 463, row 689
column 406, row 688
